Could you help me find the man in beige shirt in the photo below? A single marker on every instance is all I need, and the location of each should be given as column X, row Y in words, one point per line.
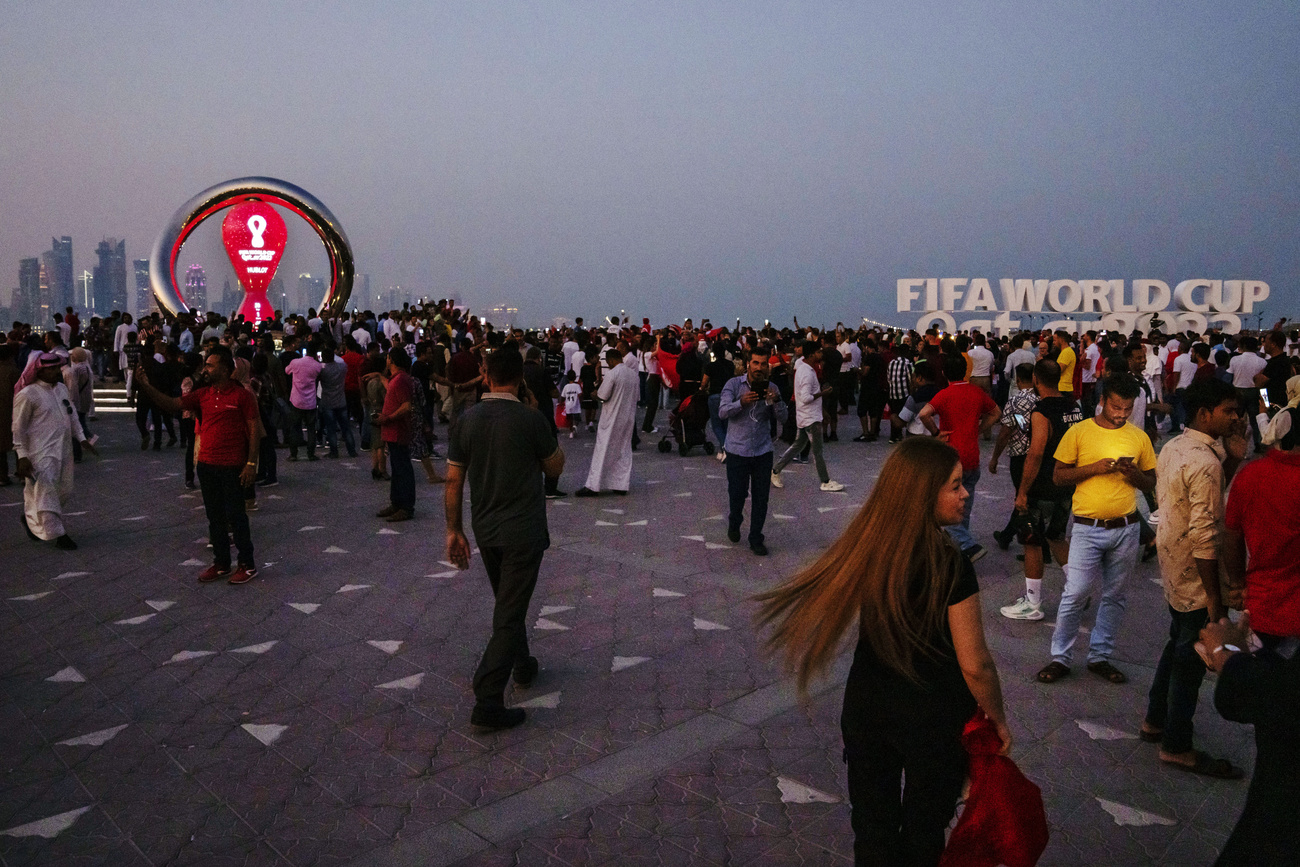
column 1191, row 477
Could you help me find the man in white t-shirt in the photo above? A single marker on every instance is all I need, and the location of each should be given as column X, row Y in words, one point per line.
column 568, row 349
column 981, row 359
column 1244, row 369
column 1091, row 357
column 1019, row 355
column 390, row 326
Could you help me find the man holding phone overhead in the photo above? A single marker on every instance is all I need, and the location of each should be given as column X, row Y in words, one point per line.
column 1108, row 460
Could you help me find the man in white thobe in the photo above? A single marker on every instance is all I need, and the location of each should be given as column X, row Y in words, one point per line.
column 611, row 459
column 45, row 421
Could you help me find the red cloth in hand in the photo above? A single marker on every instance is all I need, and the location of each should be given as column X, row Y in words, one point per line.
column 1004, row 822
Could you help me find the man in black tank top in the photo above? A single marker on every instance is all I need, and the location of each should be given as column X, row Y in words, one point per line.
column 1042, row 505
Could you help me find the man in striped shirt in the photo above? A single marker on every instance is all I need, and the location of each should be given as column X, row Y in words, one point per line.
column 899, row 373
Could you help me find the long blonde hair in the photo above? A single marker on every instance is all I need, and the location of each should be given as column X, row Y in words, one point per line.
column 870, row 573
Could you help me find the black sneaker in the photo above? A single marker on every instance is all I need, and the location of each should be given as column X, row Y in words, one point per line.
column 585, row 491
column 556, row 494
column 733, row 535
column 526, row 672
column 65, row 543
column 495, row 718
column 758, row 548
column 974, row 552
column 1003, row 539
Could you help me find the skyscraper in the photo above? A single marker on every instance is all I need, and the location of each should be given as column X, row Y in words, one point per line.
column 196, row 288
column 276, row 292
column 144, row 302
column 310, row 292
column 230, row 299
column 110, row 277
column 27, row 297
column 58, row 274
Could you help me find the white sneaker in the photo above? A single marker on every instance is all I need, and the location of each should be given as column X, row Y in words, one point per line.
column 720, row 455
column 570, row 434
column 1023, row 609
column 832, row 487
column 776, row 481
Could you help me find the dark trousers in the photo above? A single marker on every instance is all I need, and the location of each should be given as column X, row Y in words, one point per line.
column 1178, row 681
column 749, row 476
column 144, row 413
column 187, row 437
column 401, row 490
column 266, row 466
column 223, row 501
column 512, row 571
column 1017, row 473
column 298, row 419
column 890, row 830
column 336, row 422
column 652, row 386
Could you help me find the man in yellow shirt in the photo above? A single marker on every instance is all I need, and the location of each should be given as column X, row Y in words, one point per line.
column 1066, row 358
column 1108, row 460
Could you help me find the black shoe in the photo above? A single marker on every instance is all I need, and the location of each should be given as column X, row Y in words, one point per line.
column 1003, row 539
column 758, row 548
column 621, row 493
column 27, row 529
column 556, row 494
column 189, row 484
column 1148, row 553
column 893, row 441
column 733, row 535
column 65, row 543
column 526, row 672
column 975, row 552
column 494, row 718
column 585, row 491
column 313, row 457
column 861, row 438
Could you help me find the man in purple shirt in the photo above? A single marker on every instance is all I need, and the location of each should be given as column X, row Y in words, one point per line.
column 304, row 373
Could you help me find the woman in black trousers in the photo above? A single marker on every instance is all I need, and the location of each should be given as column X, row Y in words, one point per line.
column 921, row 667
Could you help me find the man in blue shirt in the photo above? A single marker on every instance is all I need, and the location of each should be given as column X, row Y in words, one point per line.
column 750, row 404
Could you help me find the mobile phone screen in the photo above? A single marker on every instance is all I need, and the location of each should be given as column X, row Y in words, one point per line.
column 1263, row 395
column 1022, row 421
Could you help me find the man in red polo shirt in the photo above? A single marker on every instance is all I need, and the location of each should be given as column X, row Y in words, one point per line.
column 226, row 463
column 965, row 411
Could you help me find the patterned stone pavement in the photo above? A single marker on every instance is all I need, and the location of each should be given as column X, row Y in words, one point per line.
column 319, row 715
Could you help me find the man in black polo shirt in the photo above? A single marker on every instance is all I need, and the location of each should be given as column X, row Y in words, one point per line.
column 1278, row 369
column 504, row 448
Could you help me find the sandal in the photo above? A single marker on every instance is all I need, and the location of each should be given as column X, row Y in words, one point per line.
column 1105, row 670
column 1151, row 736
column 1053, row 672
column 1220, row 769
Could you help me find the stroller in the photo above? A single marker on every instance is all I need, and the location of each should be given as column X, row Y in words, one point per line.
column 688, row 423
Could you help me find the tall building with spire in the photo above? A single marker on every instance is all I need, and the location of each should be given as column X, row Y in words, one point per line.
column 27, row 297
column 196, row 288
column 110, row 277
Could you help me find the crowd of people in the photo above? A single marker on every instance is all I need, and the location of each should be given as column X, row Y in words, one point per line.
column 1080, row 418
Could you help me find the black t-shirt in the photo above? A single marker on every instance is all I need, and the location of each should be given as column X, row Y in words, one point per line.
column 873, row 372
column 877, row 695
column 1278, row 371
column 501, row 444
column 832, row 361
column 1062, row 412
column 719, row 373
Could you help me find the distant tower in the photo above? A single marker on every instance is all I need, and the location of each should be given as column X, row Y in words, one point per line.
column 144, row 303
column 58, row 274
column 27, row 299
column 110, row 277
column 310, row 292
column 196, row 288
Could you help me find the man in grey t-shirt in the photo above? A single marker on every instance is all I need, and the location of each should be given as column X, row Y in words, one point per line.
column 504, row 448
column 334, row 403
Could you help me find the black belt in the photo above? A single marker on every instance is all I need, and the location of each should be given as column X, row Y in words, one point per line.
column 1111, row 524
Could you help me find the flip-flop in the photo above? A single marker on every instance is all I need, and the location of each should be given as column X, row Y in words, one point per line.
column 1105, row 670
column 1220, row 769
column 1053, row 672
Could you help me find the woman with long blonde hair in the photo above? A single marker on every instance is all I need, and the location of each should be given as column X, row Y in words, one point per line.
column 921, row 666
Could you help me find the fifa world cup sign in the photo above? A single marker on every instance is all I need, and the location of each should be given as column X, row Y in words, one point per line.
column 1080, row 305
column 254, row 235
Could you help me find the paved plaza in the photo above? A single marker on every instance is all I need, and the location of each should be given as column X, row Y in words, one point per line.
column 320, row 714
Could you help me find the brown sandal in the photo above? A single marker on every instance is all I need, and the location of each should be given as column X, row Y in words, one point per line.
column 1053, row 672
column 1105, row 670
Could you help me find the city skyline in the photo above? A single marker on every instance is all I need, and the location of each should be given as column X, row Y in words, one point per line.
column 684, row 160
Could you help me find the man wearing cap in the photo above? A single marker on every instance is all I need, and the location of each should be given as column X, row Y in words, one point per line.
column 44, row 424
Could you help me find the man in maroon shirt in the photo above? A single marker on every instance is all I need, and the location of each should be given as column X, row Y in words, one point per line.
column 965, row 411
column 229, row 438
column 396, row 425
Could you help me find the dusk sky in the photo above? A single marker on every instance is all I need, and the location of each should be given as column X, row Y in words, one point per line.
column 671, row 159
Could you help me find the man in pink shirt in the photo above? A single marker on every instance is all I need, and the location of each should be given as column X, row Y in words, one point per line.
column 965, row 411
column 304, row 372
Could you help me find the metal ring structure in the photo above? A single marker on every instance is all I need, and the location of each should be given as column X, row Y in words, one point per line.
column 162, row 262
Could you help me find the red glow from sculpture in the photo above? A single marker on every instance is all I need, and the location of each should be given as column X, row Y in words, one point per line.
column 254, row 235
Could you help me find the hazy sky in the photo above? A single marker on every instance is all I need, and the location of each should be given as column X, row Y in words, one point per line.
column 721, row 159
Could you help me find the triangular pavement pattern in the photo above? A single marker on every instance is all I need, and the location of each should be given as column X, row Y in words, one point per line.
column 49, row 827
column 257, row 649
column 389, row 647
column 1126, row 815
column 267, row 734
column 135, row 621
column 706, row 625
column 661, row 593
column 304, row 607
column 159, row 604
column 31, row 597
column 335, row 549
column 624, row 662
column 187, row 655
column 550, row 700
column 94, row 739
column 549, row 625
column 348, row 588
column 1099, row 732
column 548, row 610
column 67, row 675
column 403, row 683
column 793, row 792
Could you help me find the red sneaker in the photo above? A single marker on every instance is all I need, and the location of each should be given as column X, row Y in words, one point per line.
column 213, row 573
column 243, row 575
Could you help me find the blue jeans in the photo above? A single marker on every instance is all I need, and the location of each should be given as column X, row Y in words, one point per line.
column 717, row 422
column 1095, row 552
column 961, row 532
column 1177, row 684
column 749, row 476
column 336, row 420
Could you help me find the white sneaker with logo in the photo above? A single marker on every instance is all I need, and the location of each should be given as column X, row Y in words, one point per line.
column 832, row 487
column 1023, row 609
